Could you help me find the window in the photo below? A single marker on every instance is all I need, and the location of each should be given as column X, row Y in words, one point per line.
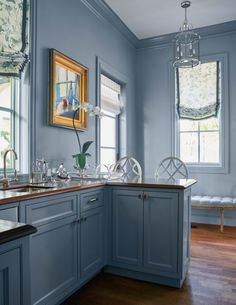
column 200, row 124
column 9, row 103
column 109, row 123
column 200, row 141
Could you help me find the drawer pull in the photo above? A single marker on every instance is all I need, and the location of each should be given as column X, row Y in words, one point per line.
column 84, row 218
column 92, row 200
column 139, row 196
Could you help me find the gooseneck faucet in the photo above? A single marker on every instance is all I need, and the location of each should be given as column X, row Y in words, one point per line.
column 5, row 180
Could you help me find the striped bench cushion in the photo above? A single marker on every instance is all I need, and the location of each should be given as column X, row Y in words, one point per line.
column 213, row 201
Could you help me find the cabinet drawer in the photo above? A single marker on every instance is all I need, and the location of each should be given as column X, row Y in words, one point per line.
column 91, row 200
column 52, row 209
column 9, row 214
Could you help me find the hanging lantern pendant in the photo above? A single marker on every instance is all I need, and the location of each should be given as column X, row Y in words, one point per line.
column 186, row 44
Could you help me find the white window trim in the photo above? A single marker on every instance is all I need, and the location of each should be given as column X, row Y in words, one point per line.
column 208, row 168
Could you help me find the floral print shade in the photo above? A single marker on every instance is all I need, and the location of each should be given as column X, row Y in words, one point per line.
column 198, row 91
column 14, row 22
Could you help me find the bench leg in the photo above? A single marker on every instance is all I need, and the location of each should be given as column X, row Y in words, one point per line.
column 222, row 220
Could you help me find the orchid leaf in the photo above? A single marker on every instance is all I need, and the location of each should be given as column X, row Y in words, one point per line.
column 86, row 146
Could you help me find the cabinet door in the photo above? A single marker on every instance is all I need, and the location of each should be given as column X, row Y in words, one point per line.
column 92, row 241
column 161, row 231
column 53, row 260
column 10, row 280
column 127, row 233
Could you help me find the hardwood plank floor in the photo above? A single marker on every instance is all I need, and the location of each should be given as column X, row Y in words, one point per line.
column 211, row 279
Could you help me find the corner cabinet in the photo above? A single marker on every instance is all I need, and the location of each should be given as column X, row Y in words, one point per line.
column 150, row 234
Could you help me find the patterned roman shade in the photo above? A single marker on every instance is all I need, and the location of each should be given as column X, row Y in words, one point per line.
column 14, row 26
column 198, row 91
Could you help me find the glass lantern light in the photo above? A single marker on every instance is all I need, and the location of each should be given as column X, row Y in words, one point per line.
column 186, row 44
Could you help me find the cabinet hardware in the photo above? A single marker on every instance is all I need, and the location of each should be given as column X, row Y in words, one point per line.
column 145, row 196
column 92, row 200
column 84, row 218
column 77, row 220
column 139, row 196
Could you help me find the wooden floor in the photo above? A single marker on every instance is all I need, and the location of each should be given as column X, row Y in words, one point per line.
column 211, row 279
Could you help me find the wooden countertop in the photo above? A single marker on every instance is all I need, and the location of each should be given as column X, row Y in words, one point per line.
column 12, row 195
column 10, row 230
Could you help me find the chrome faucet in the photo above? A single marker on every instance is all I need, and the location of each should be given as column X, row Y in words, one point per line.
column 5, row 180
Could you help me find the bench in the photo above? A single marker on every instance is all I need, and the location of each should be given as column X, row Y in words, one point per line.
column 216, row 203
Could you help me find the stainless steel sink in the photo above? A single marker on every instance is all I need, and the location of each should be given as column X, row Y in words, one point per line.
column 28, row 188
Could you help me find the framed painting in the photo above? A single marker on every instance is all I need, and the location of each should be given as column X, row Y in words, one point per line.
column 68, row 88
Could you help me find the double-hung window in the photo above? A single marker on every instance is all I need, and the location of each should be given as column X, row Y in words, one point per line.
column 200, row 120
column 9, row 129
column 14, row 82
column 109, row 123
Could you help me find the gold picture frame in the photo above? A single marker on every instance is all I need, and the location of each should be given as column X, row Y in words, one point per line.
column 67, row 89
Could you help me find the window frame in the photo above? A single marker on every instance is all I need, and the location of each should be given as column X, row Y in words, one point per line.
column 117, row 142
column 108, row 70
column 12, row 110
column 223, row 166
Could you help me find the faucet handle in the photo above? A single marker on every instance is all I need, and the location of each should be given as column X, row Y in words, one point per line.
column 15, row 175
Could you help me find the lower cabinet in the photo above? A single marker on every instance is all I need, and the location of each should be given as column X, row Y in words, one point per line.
column 69, row 246
column 160, row 235
column 14, row 272
column 92, row 241
column 145, row 230
column 53, row 260
column 127, row 227
column 53, row 249
column 10, row 278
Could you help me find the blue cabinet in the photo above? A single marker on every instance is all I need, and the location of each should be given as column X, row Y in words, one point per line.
column 69, row 246
column 150, row 234
column 92, row 241
column 127, row 227
column 14, row 272
column 53, row 249
column 161, row 232
column 10, row 278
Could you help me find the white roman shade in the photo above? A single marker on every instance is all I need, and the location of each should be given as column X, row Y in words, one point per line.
column 14, row 26
column 198, row 91
column 110, row 95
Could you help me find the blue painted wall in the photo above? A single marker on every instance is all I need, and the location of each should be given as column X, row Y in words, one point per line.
column 156, row 106
column 71, row 28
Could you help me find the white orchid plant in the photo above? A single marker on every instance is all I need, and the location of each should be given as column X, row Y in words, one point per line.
column 83, row 154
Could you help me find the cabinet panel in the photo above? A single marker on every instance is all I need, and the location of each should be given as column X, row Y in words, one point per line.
column 10, row 281
column 9, row 213
column 92, row 241
column 53, row 260
column 43, row 211
column 161, row 231
column 127, row 236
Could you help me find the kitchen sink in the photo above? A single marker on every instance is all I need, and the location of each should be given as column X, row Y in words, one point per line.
column 28, row 188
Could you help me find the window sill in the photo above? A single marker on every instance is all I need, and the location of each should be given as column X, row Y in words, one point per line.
column 207, row 169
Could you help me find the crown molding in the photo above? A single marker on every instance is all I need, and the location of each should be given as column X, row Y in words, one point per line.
column 204, row 32
column 105, row 13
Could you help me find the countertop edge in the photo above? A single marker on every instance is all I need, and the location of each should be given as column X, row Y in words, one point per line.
column 17, row 232
column 21, row 197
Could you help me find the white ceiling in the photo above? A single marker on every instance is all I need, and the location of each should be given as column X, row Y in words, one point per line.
column 149, row 18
